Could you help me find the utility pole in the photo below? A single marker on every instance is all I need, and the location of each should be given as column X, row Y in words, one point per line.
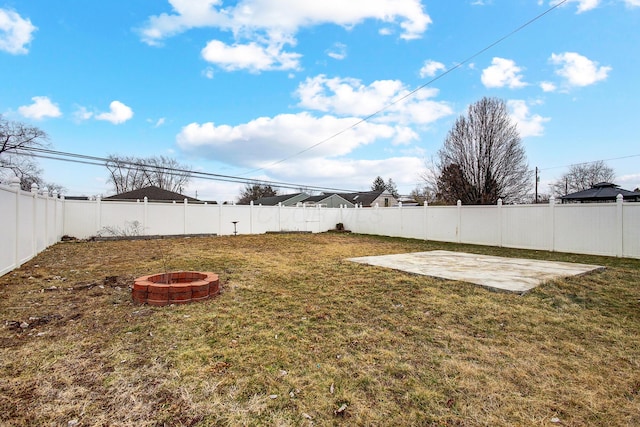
column 537, row 181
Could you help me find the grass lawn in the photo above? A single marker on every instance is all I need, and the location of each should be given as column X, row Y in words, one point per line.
column 299, row 336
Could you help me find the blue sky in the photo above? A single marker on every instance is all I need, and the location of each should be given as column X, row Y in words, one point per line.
column 242, row 87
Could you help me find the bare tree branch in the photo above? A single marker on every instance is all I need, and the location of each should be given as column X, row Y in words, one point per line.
column 127, row 173
column 482, row 158
column 582, row 177
column 253, row 192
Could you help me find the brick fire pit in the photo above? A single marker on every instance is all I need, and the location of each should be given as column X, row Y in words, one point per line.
column 178, row 287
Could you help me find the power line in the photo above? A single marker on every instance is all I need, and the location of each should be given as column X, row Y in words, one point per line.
column 414, row 91
column 590, row 162
column 103, row 161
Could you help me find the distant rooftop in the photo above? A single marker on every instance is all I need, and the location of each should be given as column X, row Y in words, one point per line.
column 601, row 192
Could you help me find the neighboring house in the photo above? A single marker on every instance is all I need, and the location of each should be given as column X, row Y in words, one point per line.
column 153, row 194
column 365, row 199
column 601, row 193
column 328, row 201
column 369, row 199
column 285, row 199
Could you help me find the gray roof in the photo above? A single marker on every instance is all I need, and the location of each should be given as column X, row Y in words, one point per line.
column 330, row 199
column 152, row 193
column 365, row 198
column 603, row 191
column 274, row 200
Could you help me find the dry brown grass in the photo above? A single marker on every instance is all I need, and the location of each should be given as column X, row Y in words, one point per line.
column 299, row 336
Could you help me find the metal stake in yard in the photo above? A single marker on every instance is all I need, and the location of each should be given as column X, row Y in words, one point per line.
column 235, row 231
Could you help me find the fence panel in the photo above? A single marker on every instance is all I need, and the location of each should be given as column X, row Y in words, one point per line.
column 201, row 219
column 588, row 228
column 479, row 225
column 26, row 228
column 364, row 221
column 442, row 223
column 80, row 218
column 39, row 224
column 527, row 227
column 412, row 222
column 30, row 224
column 329, row 218
column 165, row 218
column 631, row 230
column 241, row 214
column 264, row 218
column 8, row 228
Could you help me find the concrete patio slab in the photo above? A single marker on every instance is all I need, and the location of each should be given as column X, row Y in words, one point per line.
column 508, row 274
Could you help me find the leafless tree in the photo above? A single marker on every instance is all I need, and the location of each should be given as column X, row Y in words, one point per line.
column 252, row 192
column 482, row 158
column 422, row 194
column 582, row 177
column 16, row 136
column 16, row 139
column 127, row 173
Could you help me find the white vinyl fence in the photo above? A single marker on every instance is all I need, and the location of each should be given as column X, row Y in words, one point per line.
column 84, row 218
column 610, row 229
column 32, row 221
column 29, row 223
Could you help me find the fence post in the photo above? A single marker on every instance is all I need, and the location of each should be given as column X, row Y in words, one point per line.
column 459, row 226
column 145, row 214
column 98, row 213
column 401, row 219
column 426, row 220
column 220, row 203
column 500, row 223
column 184, row 224
column 619, row 226
column 15, row 185
column 34, row 220
column 45, row 193
column 251, row 217
column 552, row 224
column 54, row 238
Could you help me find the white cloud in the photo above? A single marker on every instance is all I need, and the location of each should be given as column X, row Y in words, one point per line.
column 345, row 174
column 16, row 32
column 82, row 114
column 503, row 72
column 548, row 87
column 583, row 5
column 579, row 70
column 42, row 107
column 338, row 51
column 287, row 16
column 431, row 68
column 314, row 149
column 157, row 123
column 118, row 113
column 351, row 174
column 350, row 97
column 252, row 57
column 629, row 182
column 261, row 28
column 265, row 140
column 208, row 73
column 632, row 3
column 528, row 124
